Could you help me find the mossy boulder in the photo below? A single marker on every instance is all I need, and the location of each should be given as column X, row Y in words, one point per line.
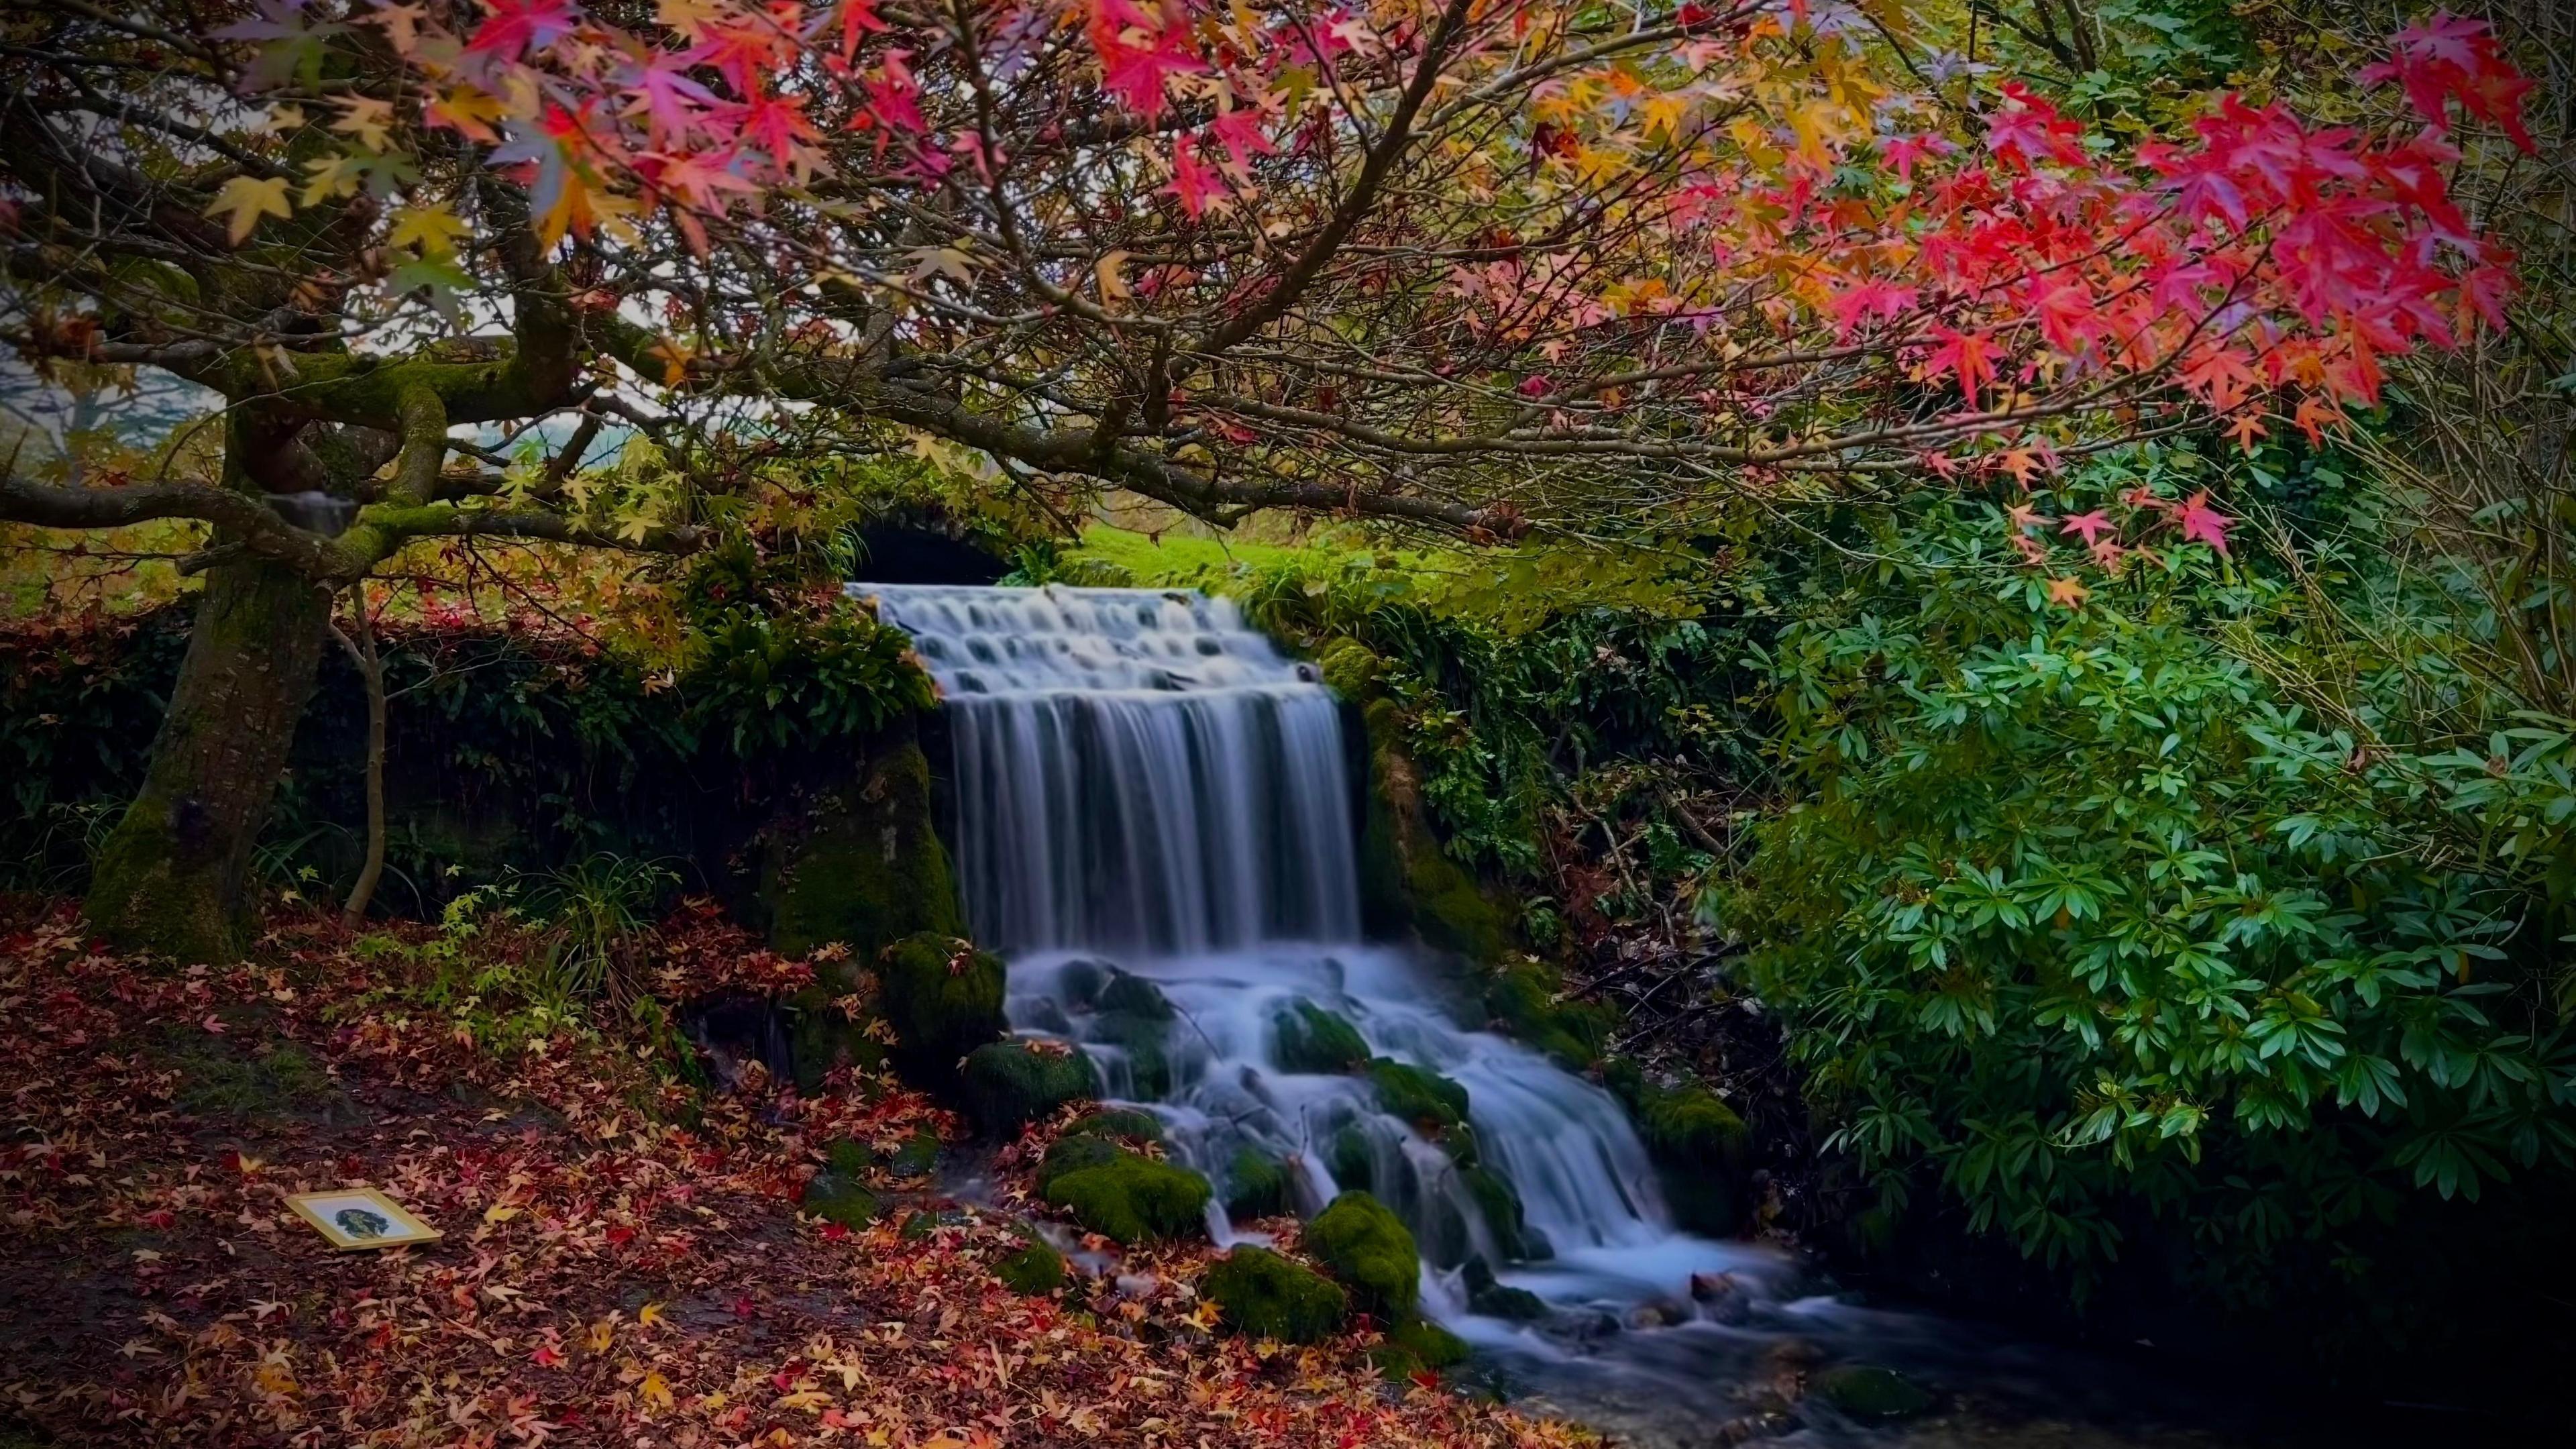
column 1351, row 669
column 916, row 1157
column 1352, row 1158
column 1006, row 1085
column 1871, row 1394
column 1035, row 1270
column 1309, row 1039
column 839, row 1199
column 1127, row 1197
column 862, row 865
column 1700, row 1146
column 822, row 1037
column 1267, row 1296
column 1500, row 1207
column 943, row 998
column 1427, row 1343
column 1424, row 1098
column 1494, row 1299
column 1127, row 994
column 1256, row 1185
column 1133, row 1016
column 1370, row 1249
column 1124, row 1122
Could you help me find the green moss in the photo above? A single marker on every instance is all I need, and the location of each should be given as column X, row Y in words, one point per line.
column 1352, row 1158
column 1428, row 1343
column 1351, row 669
column 1369, row 1248
column 1143, row 1036
column 1407, row 883
column 1118, row 1122
column 1256, row 1186
column 1267, row 1296
column 1522, row 995
column 837, row 1199
column 1699, row 1144
column 917, row 1226
column 1034, row 1270
column 943, row 998
column 1006, row 1085
column 866, row 869
column 1132, row 1199
column 1072, row 1152
column 821, row 1037
column 847, row 1159
column 1311, row 1039
column 1869, row 1393
column 1133, row 995
column 222, row 1080
column 1494, row 1300
column 916, row 1157
column 1501, row 1209
column 1424, row 1098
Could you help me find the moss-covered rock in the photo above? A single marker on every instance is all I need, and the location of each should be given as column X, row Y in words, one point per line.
column 1522, row 995
column 916, row 1157
column 1871, row 1394
column 1424, row 1098
column 943, row 998
column 1268, row 1296
column 1128, row 994
column 862, row 866
column 1370, row 1249
column 1500, row 1207
column 1428, row 1343
column 1700, row 1147
column 1256, row 1185
column 1128, row 1197
column 1352, row 1158
column 1072, row 1152
column 1407, row 883
column 1006, row 1085
column 838, row 1199
column 822, row 1037
column 1307, row 1038
column 1124, row 1122
column 1492, row 1298
column 1035, row 1270
column 1143, row 1039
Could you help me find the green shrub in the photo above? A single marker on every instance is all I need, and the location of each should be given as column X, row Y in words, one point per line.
column 1370, row 1249
column 1268, row 1296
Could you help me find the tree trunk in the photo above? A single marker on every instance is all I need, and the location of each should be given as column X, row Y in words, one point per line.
column 174, row 875
column 371, row 675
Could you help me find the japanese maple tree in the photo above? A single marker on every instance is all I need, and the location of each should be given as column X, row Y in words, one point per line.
column 1482, row 267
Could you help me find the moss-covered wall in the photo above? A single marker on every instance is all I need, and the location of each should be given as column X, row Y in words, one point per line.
column 858, row 860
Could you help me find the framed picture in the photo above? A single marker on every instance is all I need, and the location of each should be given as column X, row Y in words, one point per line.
column 355, row 1218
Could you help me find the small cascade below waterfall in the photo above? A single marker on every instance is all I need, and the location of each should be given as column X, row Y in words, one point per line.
column 1147, row 791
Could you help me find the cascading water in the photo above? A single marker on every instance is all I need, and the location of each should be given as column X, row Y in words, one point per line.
column 1147, row 790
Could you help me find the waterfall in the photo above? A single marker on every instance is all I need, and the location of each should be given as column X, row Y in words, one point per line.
column 1147, row 791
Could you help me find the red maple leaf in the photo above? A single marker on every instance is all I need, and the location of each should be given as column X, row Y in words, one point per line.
column 2204, row 523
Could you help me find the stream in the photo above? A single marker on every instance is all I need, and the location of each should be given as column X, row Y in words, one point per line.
column 1146, row 787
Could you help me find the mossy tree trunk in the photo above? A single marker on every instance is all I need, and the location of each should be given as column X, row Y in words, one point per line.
column 174, row 875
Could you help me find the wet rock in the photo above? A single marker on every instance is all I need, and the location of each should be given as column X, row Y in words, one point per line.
column 1870, row 1394
column 1722, row 1298
column 1491, row 1298
column 1267, row 1296
column 1658, row 1314
column 1307, row 1038
column 1132, row 995
column 1124, row 1122
column 837, row 1198
column 1417, row 1346
column 1426, row 1099
column 1256, row 1186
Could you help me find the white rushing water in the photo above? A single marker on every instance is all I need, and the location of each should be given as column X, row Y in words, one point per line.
column 1146, row 787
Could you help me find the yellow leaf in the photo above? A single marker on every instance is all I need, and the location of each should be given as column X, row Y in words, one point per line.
column 246, row 199
column 434, row 229
column 602, row 1334
column 332, row 176
column 812, row 1401
column 1113, row 285
column 675, row 361
column 497, row 1213
column 368, row 119
column 649, row 1314
column 468, row 111
column 656, row 1392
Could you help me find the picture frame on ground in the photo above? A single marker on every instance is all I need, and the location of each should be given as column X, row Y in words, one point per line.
column 354, row 1219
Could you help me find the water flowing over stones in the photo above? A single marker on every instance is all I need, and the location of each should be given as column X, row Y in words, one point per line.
column 1153, row 824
